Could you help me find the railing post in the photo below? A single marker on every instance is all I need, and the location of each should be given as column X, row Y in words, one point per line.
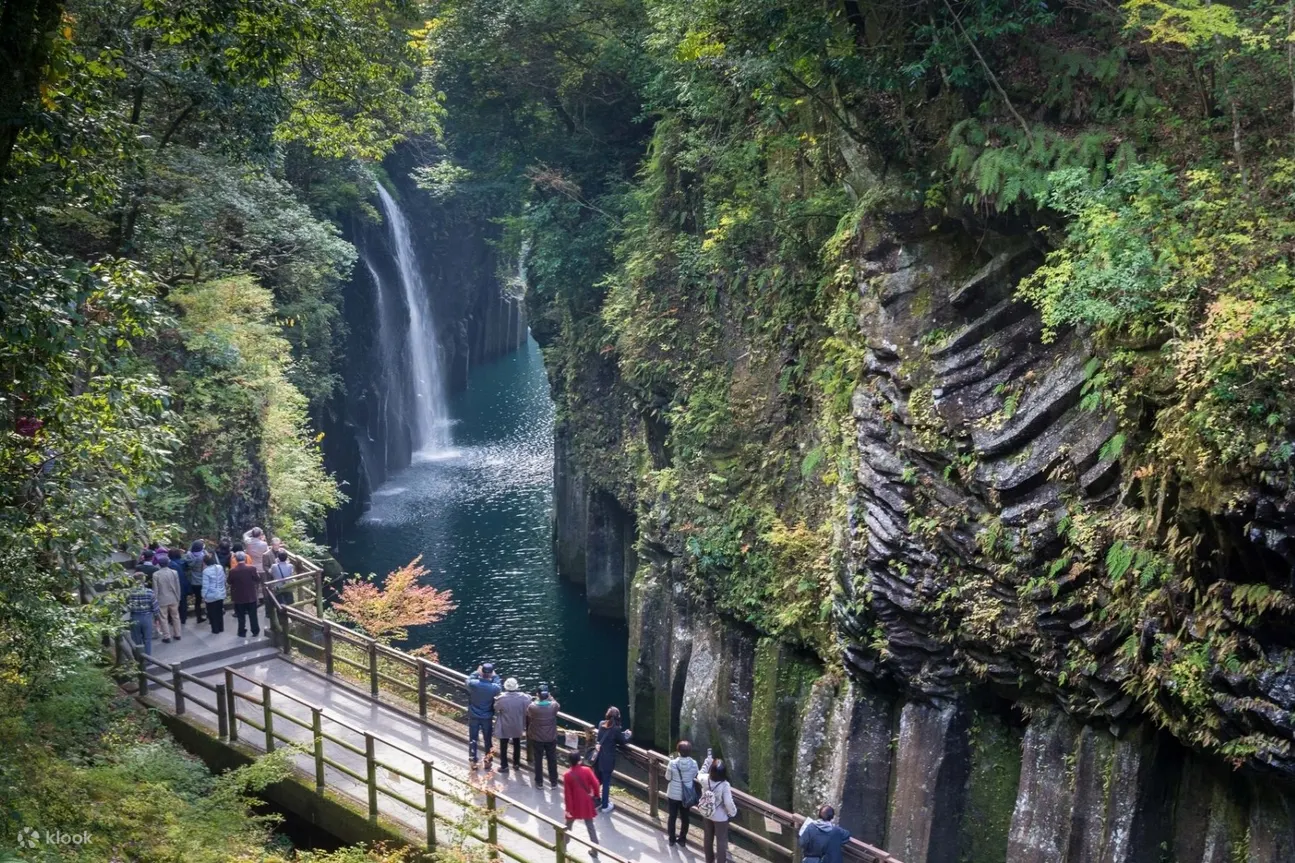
column 319, row 593
column 317, row 729
column 560, row 844
column 177, row 686
column 430, row 798
column 268, row 713
column 492, row 825
column 232, row 708
column 328, row 648
column 222, row 708
column 143, row 670
column 373, row 668
column 285, row 626
column 654, row 786
column 271, row 618
column 422, row 689
column 371, row 772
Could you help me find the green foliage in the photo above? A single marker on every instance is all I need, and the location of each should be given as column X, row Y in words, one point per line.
column 242, row 413
column 206, row 218
column 84, row 430
column 82, row 758
column 154, row 155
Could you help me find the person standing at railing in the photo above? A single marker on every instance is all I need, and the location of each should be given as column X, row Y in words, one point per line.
column 213, row 592
column 610, row 737
column 542, row 733
column 272, row 556
column 483, row 686
column 166, row 587
column 510, row 714
column 256, row 548
column 716, row 807
column 194, row 564
column 244, row 589
column 821, row 841
column 141, row 603
column 580, row 798
column 281, row 571
column 680, row 792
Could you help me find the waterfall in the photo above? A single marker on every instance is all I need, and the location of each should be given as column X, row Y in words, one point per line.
column 427, row 413
column 387, row 364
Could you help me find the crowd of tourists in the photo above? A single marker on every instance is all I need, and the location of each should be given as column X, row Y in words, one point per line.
column 168, row 581
column 502, row 711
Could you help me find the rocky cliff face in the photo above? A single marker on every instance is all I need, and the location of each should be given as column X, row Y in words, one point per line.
column 990, row 702
column 367, row 434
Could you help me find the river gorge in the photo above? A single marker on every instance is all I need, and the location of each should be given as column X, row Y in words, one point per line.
column 564, row 575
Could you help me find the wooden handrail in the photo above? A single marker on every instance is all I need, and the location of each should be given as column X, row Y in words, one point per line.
column 319, row 713
column 307, row 571
column 653, row 761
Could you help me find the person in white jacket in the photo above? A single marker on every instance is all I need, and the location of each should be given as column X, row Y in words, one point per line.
column 680, row 772
column 714, row 782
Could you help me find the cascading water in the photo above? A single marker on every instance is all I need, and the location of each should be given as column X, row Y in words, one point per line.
column 389, row 370
column 429, row 428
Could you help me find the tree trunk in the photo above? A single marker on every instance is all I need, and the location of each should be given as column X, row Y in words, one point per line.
column 27, row 30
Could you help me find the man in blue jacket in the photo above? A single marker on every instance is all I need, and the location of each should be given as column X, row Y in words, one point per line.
column 483, row 686
column 821, row 841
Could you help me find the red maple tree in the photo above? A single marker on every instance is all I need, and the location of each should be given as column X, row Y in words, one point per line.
column 387, row 612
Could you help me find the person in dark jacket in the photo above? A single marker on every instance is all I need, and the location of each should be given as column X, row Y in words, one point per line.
column 225, row 554
column 244, row 587
column 195, row 563
column 542, row 733
column 482, row 686
column 146, row 566
column 610, row 737
column 510, row 713
column 821, row 841
column 177, row 562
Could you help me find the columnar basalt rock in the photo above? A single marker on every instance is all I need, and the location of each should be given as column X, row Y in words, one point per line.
column 959, row 730
column 609, row 554
column 932, row 763
column 865, row 786
column 1040, row 831
column 976, row 452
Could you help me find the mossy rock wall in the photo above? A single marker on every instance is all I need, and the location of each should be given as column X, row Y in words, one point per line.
column 991, row 788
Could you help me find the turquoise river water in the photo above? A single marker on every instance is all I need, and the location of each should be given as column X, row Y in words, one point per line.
column 480, row 513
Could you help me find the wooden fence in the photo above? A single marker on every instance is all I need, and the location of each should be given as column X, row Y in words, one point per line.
column 434, row 689
column 268, row 707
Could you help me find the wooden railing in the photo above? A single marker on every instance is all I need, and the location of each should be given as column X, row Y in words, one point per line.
column 325, row 748
column 438, row 693
column 434, row 688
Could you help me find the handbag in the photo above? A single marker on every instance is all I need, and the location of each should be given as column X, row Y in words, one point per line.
column 689, row 792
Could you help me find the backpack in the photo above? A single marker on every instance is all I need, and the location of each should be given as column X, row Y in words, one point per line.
column 706, row 803
column 691, row 791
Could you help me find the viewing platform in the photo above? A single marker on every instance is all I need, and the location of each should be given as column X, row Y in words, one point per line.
column 379, row 736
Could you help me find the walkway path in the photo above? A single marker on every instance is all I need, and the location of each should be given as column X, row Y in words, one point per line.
column 627, row 831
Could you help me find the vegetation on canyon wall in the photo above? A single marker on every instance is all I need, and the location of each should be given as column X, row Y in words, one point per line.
column 697, row 184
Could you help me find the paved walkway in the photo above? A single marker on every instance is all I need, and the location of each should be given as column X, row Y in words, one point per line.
column 627, row 832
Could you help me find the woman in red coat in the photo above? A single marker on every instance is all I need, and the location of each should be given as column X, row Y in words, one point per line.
column 580, row 793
